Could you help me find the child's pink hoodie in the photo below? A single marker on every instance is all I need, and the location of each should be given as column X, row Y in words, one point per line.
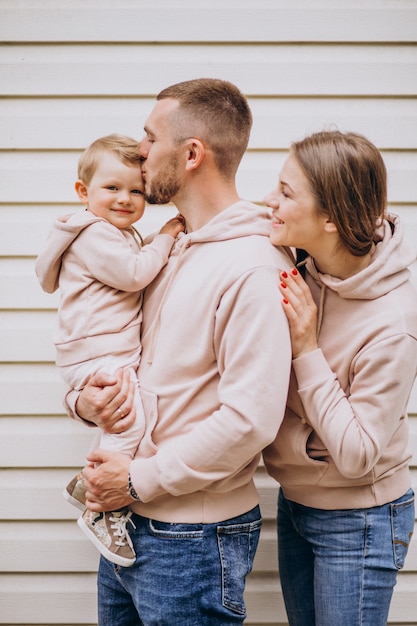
column 101, row 271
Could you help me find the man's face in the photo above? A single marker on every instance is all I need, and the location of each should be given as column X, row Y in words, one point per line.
column 160, row 169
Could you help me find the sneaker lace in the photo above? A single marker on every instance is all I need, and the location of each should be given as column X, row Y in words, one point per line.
column 119, row 529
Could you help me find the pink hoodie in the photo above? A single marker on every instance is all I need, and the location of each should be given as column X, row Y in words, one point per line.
column 344, row 440
column 214, row 371
column 101, row 271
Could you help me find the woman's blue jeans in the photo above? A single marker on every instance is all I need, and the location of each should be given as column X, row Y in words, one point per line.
column 184, row 574
column 339, row 568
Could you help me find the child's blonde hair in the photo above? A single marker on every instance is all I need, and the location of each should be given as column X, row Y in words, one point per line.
column 124, row 147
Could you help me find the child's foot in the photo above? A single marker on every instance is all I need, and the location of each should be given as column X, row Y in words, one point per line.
column 108, row 533
column 74, row 492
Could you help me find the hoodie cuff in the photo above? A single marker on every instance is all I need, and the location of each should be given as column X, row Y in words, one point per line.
column 70, row 406
column 311, row 368
column 143, row 475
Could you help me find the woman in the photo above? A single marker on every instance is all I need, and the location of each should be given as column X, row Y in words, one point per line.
column 346, row 507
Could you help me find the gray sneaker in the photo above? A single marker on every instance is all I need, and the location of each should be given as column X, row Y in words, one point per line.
column 74, row 492
column 109, row 534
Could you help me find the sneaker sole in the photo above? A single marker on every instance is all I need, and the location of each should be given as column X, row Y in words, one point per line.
column 110, row 556
column 68, row 497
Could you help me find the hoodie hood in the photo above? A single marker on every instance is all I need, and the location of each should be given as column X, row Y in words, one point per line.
column 65, row 229
column 240, row 219
column 389, row 267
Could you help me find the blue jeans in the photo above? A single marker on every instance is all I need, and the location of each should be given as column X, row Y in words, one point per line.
column 184, row 575
column 339, row 568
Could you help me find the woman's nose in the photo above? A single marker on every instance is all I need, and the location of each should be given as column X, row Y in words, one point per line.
column 271, row 200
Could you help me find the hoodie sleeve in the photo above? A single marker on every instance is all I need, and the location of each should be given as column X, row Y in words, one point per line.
column 356, row 429
column 112, row 261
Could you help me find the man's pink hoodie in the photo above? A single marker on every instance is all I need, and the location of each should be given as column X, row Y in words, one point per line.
column 214, row 372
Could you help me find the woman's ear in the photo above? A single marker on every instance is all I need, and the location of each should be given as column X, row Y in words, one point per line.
column 195, row 153
column 330, row 227
column 81, row 191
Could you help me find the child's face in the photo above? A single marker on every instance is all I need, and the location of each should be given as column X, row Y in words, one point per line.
column 116, row 192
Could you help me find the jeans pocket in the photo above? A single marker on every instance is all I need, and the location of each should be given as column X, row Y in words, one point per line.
column 237, row 546
column 402, row 526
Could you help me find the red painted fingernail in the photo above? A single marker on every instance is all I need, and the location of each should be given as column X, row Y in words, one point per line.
column 294, row 271
column 283, row 285
column 284, row 275
column 285, row 301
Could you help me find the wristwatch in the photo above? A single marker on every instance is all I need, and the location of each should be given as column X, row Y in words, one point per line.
column 131, row 490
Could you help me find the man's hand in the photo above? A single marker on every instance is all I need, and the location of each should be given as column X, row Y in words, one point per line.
column 106, row 480
column 107, row 401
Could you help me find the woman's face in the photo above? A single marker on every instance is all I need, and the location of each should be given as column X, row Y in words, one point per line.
column 296, row 221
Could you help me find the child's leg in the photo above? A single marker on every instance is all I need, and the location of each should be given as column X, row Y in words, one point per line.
column 128, row 441
column 107, row 530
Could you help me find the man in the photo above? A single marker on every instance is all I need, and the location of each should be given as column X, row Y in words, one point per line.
column 214, row 377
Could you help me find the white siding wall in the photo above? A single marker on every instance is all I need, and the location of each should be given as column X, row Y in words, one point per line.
column 72, row 71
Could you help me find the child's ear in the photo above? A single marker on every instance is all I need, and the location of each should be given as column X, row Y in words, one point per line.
column 82, row 191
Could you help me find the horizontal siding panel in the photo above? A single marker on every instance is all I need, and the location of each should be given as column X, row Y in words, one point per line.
column 27, row 336
column 26, row 442
column 30, row 546
column 30, row 390
column 17, row 489
column 35, row 124
column 48, row 599
column 20, row 287
column 208, row 21
column 267, row 69
column 404, row 601
column 49, row 177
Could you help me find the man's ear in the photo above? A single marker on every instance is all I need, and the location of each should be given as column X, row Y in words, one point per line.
column 195, row 152
column 81, row 191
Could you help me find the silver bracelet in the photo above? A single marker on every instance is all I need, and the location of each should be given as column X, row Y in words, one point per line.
column 131, row 490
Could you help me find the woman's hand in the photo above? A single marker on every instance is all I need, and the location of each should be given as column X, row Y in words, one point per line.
column 301, row 312
column 108, row 401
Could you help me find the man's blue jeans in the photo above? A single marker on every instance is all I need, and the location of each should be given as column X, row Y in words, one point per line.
column 184, row 575
column 339, row 568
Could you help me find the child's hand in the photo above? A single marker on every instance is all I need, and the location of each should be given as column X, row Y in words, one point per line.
column 173, row 226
